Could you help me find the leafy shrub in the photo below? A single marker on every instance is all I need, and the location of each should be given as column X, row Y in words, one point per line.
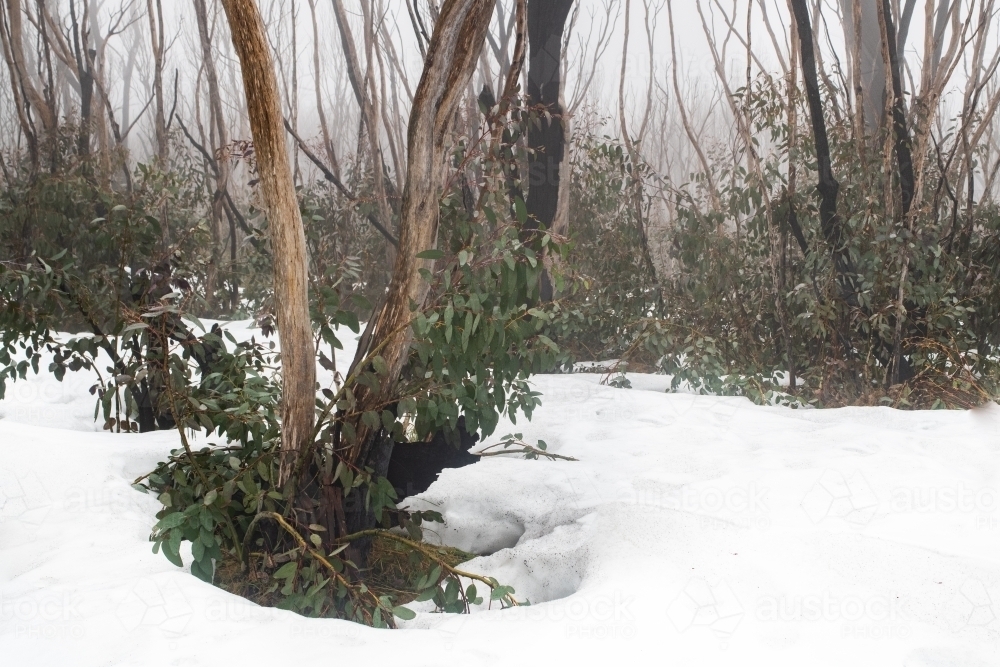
column 752, row 292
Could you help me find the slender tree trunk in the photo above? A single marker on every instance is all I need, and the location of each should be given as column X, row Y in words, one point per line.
column 26, row 95
column 154, row 12
column 126, row 113
column 633, row 152
column 364, row 91
column 85, row 75
column 331, row 153
column 104, row 116
column 830, row 221
column 792, row 219
column 713, row 192
column 293, row 101
column 546, row 22
column 218, row 130
column 904, row 160
column 298, row 358
column 14, row 33
column 860, row 134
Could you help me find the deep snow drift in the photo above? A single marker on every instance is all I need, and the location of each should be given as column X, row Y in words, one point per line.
column 693, row 530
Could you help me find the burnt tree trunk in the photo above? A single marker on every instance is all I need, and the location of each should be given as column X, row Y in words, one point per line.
column 451, row 59
column 904, row 157
column 547, row 140
column 831, row 224
column 901, row 369
column 84, row 70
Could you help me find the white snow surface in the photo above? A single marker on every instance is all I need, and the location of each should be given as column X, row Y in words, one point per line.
column 693, row 531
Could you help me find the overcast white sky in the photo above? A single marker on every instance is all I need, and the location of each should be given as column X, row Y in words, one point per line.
column 694, row 57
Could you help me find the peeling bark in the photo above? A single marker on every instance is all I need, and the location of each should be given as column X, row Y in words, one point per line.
column 459, row 35
column 298, row 358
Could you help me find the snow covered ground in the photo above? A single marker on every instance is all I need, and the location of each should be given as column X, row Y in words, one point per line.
column 693, row 530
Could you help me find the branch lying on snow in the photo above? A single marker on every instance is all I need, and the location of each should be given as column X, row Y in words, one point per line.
column 513, row 444
column 504, row 594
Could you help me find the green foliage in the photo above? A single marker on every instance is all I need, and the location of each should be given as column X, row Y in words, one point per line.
column 742, row 302
column 474, row 344
column 131, row 269
column 612, row 289
column 480, row 339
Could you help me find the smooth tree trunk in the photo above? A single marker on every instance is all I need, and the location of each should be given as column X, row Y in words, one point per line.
column 127, row 73
column 288, row 241
column 713, row 191
column 368, row 103
column 154, row 13
column 861, row 30
column 25, row 94
column 220, row 134
column 331, row 153
column 13, row 38
column 631, row 148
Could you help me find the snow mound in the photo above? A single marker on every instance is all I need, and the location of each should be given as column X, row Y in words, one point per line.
column 693, row 530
